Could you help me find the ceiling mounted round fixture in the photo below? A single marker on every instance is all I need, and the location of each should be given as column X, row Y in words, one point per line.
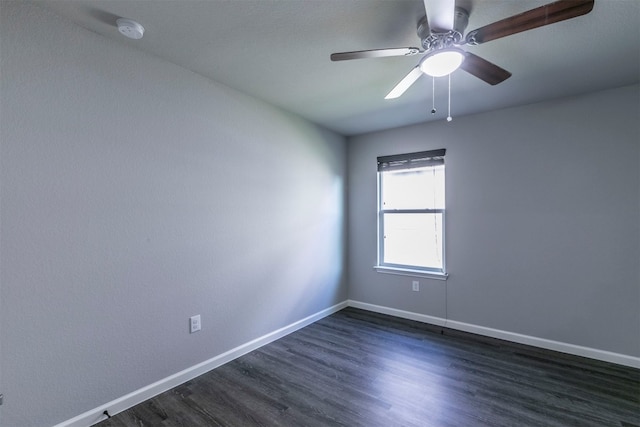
column 442, row 62
column 130, row 28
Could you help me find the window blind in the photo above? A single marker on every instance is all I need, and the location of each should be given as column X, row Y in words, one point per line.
column 411, row 160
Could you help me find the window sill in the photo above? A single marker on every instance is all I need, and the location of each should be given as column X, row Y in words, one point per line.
column 409, row 272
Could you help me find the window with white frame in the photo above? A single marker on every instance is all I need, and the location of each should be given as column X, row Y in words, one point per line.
column 411, row 214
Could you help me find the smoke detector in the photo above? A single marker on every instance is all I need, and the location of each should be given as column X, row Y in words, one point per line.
column 130, row 28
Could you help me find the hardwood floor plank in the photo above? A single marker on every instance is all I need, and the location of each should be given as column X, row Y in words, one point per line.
column 358, row 368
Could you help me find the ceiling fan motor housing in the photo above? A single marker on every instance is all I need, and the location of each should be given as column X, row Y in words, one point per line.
column 461, row 20
column 435, row 39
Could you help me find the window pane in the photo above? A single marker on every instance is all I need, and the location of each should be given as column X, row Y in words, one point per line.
column 420, row 188
column 413, row 240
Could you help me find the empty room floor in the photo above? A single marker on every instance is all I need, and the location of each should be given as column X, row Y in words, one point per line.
column 358, row 368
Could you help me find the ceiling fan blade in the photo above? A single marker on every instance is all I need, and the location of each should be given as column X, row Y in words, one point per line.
column 534, row 18
column 441, row 14
column 405, row 83
column 484, row 70
column 375, row 53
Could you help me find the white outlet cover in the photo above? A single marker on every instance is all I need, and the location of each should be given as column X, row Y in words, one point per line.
column 195, row 324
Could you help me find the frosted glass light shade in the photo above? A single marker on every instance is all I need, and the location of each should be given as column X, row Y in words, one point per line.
column 442, row 62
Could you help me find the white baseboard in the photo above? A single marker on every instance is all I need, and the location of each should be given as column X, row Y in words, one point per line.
column 94, row 416
column 123, row 403
column 438, row 321
column 592, row 353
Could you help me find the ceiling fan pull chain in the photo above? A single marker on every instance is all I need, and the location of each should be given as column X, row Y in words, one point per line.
column 433, row 95
column 449, row 116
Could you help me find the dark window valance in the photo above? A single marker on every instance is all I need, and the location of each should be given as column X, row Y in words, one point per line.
column 411, row 160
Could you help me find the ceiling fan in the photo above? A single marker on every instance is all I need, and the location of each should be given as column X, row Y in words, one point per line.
column 441, row 36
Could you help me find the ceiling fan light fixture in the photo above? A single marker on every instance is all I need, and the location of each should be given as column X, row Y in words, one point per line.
column 442, row 62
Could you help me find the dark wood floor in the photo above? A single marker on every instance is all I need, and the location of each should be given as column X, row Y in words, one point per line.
column 357, row 368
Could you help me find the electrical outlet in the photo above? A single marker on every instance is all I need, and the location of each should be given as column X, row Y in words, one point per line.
column 194, row 324
column 416, row 286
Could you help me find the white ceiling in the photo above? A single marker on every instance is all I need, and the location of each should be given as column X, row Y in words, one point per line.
column 278, row 51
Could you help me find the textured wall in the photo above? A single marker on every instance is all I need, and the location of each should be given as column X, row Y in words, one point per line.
column 134, row 195
column 543, row 217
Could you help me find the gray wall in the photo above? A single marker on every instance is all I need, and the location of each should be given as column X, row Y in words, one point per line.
column 543, row 216
column 134, row 195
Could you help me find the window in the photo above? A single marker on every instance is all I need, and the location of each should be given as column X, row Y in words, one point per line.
column 411, row 214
